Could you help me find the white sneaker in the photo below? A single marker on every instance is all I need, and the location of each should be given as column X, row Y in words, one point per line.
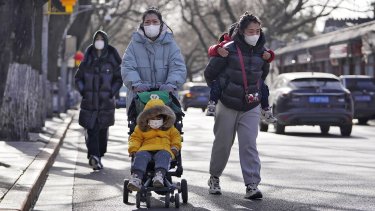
column 135, row 184
column 158, row 180
column 95, row 163
column 267, row 116
column 214, row 184
column 252, row 192
column 211, row 108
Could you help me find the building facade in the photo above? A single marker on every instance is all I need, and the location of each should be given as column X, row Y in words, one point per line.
column 342, row 52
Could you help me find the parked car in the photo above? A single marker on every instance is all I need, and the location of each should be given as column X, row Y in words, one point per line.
column 121, row 98
column 310, row 98
column 194, row 95
column 362, row 89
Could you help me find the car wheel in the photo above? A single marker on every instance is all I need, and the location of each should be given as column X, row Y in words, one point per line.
column 324, row 129
column 280, row 129
column 263, row 126
column 362, row 121
column 346, row 130
column 203, row 109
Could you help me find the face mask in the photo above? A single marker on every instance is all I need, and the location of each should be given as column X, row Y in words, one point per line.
column 252, row 39
column 152, row 30
column 155, row 124
column 99, row 44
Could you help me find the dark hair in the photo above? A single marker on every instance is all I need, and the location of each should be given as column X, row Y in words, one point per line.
column 152, row 10
column 221, row 38
column 229, row 33
column 246, row 19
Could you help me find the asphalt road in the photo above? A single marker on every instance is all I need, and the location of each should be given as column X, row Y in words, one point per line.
column 301, row 170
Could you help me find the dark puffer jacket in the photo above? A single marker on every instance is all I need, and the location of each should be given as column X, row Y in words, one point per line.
column 228, row 69
column 98, row 79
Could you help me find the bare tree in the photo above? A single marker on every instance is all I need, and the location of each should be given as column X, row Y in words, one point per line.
column 281, row 19
column 119, row 18
column 20, row 59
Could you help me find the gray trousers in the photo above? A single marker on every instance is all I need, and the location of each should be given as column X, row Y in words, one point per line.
column 227, row 123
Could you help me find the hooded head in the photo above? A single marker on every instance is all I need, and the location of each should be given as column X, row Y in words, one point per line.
column 154, row 108
column 100, row 41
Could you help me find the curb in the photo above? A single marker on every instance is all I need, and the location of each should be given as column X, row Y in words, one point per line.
column 25, row 191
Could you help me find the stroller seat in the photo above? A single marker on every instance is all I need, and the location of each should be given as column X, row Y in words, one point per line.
column 175, row 170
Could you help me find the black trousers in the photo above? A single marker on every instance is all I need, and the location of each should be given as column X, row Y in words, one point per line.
column 96, row 141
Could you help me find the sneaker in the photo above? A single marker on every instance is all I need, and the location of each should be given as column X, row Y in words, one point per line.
column 158, row 180
column 135, row 184
column 95, row 163
column 252, row 192
column 211, row 107
column 267, row 116
column 214, row 184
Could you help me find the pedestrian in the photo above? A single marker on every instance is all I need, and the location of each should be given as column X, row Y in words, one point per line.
column 152, row 59
column 238, row 110
column 154, row 138
column 98, row 79
column 215, row 91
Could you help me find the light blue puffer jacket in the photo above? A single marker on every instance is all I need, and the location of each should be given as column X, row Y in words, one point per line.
column 152, row 62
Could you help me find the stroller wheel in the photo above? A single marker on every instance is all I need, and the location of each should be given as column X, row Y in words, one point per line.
column 138, row 199
column 184, row 191
column 167, row 200
column 125, row 196
column 148, row 200
column 176, row 200
column 178, row 184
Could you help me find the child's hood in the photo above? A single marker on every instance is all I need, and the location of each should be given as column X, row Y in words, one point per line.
column 153, row 108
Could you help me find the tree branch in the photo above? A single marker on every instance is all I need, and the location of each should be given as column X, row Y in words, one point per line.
column 229, row 10
column 204, row 23
column 192, row 24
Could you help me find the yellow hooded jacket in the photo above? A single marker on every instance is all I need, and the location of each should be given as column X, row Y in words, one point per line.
column 145, row 138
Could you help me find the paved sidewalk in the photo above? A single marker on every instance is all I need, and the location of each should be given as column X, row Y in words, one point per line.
column 24, row 165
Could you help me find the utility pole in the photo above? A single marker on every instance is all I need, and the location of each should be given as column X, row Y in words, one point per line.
column 45, row 60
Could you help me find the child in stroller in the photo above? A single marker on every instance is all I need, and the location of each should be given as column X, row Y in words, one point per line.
column 154, row 142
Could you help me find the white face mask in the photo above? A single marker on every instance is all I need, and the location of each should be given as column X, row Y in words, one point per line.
column 252, row 39
column 152, row 30
column 99, row 44
column 155, row 124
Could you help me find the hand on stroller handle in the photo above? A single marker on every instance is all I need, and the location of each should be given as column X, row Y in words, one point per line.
column 148, row 88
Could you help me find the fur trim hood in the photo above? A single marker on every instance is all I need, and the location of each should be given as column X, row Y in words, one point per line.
column 153, row 108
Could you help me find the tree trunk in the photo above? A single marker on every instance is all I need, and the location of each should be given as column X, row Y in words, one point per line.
column 20, row 111
column 21, row 86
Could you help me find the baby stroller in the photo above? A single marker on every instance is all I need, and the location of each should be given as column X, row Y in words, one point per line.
column 170, row 190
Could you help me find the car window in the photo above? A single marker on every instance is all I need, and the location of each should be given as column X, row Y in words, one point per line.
column 326, row 83
column 199, row 89
column 359, row 84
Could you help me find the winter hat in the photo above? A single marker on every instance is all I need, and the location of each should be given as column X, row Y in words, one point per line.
column 153, row 108
column 153, row 102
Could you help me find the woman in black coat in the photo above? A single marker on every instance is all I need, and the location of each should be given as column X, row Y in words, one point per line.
column 98, row 79
column 238, row 110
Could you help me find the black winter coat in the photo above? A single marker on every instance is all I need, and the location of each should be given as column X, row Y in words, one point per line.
column 228, row 69
column 98, row 80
